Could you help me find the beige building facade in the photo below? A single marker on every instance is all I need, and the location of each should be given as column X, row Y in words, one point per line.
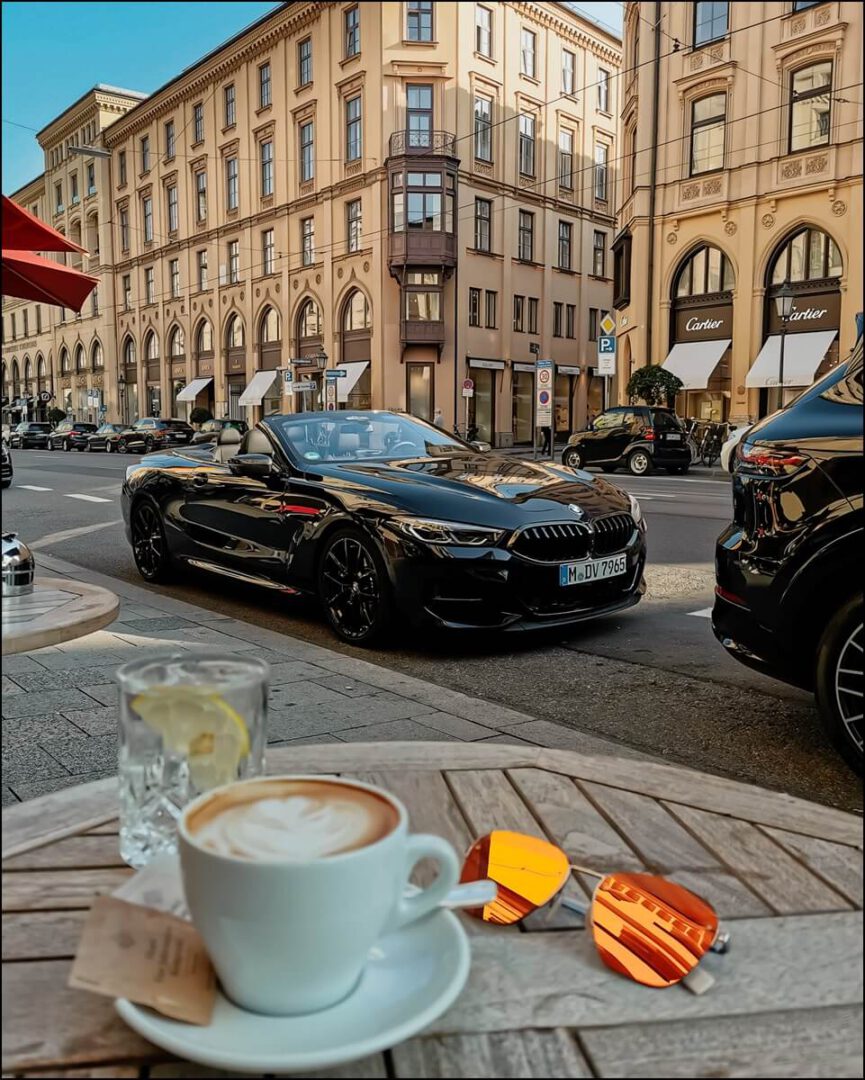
column 53, row 357
column 741, row 172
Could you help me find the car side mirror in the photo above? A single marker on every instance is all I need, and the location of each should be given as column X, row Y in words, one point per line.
column 254, row 466
column 479, row 444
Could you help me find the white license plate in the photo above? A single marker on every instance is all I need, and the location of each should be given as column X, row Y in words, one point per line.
column 673, row 438
column 581, row 573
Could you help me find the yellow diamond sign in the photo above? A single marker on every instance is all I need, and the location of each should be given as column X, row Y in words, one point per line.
column 608, row 324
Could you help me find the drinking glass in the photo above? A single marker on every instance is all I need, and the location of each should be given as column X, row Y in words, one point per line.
column 189, row 722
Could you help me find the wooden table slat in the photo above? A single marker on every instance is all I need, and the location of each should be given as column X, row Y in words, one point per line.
column 54, row 890
column 73, row 852
column 505, row 1055
column 39, row 935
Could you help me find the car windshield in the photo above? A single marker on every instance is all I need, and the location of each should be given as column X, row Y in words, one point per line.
column 175, row 425
column 38, row 427
column 610, row 419
column 333, row 437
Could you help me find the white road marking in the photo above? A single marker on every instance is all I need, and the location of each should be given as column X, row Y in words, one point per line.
column 703, row 613
column 33, row 487
column 70, row 534
column 654, row 495
column 88, row 498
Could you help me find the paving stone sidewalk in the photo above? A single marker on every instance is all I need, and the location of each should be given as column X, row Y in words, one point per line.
column 59, row 711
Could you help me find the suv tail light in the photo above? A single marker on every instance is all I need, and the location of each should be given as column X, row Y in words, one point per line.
column 649, row 434
column 767, row 460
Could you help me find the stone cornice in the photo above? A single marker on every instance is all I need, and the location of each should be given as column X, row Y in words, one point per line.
column 69, row 122
column 576, row 35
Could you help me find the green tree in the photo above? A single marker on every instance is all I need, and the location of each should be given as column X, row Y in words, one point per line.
column 56, row 415
column 654, row 385
column 200, row 415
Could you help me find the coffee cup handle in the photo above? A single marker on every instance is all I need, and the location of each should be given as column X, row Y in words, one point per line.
column 423, row 846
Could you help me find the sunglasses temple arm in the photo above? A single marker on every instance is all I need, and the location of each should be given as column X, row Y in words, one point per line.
column 586, row 870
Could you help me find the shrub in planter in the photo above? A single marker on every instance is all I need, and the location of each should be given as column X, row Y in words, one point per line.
column 654, row 385
column 200, row 415
column 55, row 416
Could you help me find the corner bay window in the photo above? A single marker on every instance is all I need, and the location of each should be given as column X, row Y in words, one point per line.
column 708, row 116
column 424, row 204
column 810, row 106
column 422, row 303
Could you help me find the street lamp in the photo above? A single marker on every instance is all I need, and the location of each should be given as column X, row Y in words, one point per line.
column 784, row 307
column 121, row 395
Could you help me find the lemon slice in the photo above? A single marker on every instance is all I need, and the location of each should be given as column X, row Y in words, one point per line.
column 198, row 722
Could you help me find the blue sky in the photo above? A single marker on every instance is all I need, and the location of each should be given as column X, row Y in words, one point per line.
column 53, row 52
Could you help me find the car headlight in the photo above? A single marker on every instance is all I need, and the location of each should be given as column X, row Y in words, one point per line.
column 429, row 531
column 636, row 509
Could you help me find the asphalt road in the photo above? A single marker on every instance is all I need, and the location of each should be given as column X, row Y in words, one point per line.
column 653, row 678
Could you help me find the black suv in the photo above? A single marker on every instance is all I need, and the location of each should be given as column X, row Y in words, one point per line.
column 158, row 434
column 638, row 437
column 71, row 434
column 788, row 599
column 210, row 429
column 28, row 434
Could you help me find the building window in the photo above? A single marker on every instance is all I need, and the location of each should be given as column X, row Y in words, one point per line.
column 527, row 145
column 201, row 196
column 172, row 209
column 124, row 230
column 526, row 237
column 483, row 30
column 229, row 97
column 809, row 255
column 565, row 234
column 202, row 270
column 96, row 354
column 121, row 168
column 147, row 209
column 483, row 129
column 264, row 86
column 419, row 20
column 803, row 5
column 127, row 292
column 558, row 318
column 231, row 183
column 483, row 224
column 603, row 91
column 419, row 115
column 423, row 305
column 169, row 139
column 708, row 116
column 622, row 271
column 267, row 252
column 25, row 317
column 810, row 106
column 145, row 153
column 304, row 62
column 528, row 44
column 593, row 324
column 710, row 22
column 353, row 129
column 12, row 319
column 233, row 262
column 353, row 223
column 569, row 71
column 566, row 160
column 519, row 314
column 149, row 286
column 599, row 254
column 602, row 152
column 174, row 277
column 91, row 179
column 571, row 320
column 490, row 304
column 307, row 158
column 198, row 122
column 307, row 241
column 533, row 315
column 73, row 189
column 58, row 198
column 474, row 307
column 421, row 207
column 352, row 32
column 38, row 319
column 266, row 155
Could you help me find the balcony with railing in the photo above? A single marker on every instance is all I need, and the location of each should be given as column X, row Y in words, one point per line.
column 422, row 181
column 422, row 331
column 422, row 143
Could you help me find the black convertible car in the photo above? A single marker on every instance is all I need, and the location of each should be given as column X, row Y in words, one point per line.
column 385, row 517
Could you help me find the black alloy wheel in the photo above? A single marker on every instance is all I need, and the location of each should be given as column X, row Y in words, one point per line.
column 353, row 587
column 573, row 458
column 839, row 681
column 122, row 448
column 148, row 445
column 149, row 546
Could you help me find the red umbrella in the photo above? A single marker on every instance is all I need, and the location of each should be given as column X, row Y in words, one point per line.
column 23, row 231
column 30, row 277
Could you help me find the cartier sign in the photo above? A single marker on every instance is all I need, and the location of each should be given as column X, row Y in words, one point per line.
column 819, row 311
column 704, row 323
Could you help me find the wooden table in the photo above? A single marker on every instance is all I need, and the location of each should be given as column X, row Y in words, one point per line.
column 785, row 876
column 57, row 611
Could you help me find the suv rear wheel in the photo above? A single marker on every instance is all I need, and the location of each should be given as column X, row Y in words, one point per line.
column 839, row 680
column 639, row 462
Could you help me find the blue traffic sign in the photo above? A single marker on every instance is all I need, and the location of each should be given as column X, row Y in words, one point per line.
column 335, row 373
column 606, row 346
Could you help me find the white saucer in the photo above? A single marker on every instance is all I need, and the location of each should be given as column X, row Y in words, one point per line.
column 412, row 976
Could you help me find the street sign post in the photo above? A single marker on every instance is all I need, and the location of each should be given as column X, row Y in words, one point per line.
column 330, row 394
column 335, row 373
column 302, row 386
column 287, row 380
column 607, row 354
column 544, row 378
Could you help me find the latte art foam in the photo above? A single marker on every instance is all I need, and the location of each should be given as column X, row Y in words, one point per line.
column 297, row 826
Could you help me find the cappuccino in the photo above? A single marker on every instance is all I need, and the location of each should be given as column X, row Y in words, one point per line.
column 290, row 820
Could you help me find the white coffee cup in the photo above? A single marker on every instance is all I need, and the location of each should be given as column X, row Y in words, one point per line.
column 292, row 935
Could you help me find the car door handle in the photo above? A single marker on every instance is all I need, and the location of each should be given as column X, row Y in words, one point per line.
column 200, row 480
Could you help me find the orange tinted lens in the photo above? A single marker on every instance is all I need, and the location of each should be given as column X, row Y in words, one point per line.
column 650, row 929
column 528, row 871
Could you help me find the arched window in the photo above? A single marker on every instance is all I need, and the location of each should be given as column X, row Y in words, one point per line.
column 3, row 381
column 16, row 379
column 176, row 342
column 28, row 371
column 151, row 347
column 64, row 360
column 80, row 363
column 355, row 314
column 808, row 255
column 96, row 357
column 234, row 333
column 41, row 368
column 270, row 328
column 706, row 271
column 129, row 353
column 204, row 337
column 309, row 320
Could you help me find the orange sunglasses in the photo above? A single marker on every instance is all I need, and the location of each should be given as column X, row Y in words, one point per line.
column 645, row 927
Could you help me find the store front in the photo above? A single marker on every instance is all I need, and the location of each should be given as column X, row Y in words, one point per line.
column 419, row 390
column 203, row 366
column 309, row 375
column 236, row 384
column 354, row 389
column 153, row 397
column 701, row 332
column 482, row 404
column 523, row 404
column 594, row 396
column 565, row 399
column 128, row 388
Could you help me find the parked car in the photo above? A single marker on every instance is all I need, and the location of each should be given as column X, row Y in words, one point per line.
column 5, row 466
column 71, row 435
column 106, row 437
column 636, row 437
column 29, row 435
column 157, row 434
column 390, row 521
column 788, row 599
column 728, row 450
column 210, row 429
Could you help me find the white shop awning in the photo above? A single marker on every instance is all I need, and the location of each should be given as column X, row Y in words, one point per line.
column 802, row 356
column 191, row 391
column 256, row 388
column 694, row 361
column 353, row 371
